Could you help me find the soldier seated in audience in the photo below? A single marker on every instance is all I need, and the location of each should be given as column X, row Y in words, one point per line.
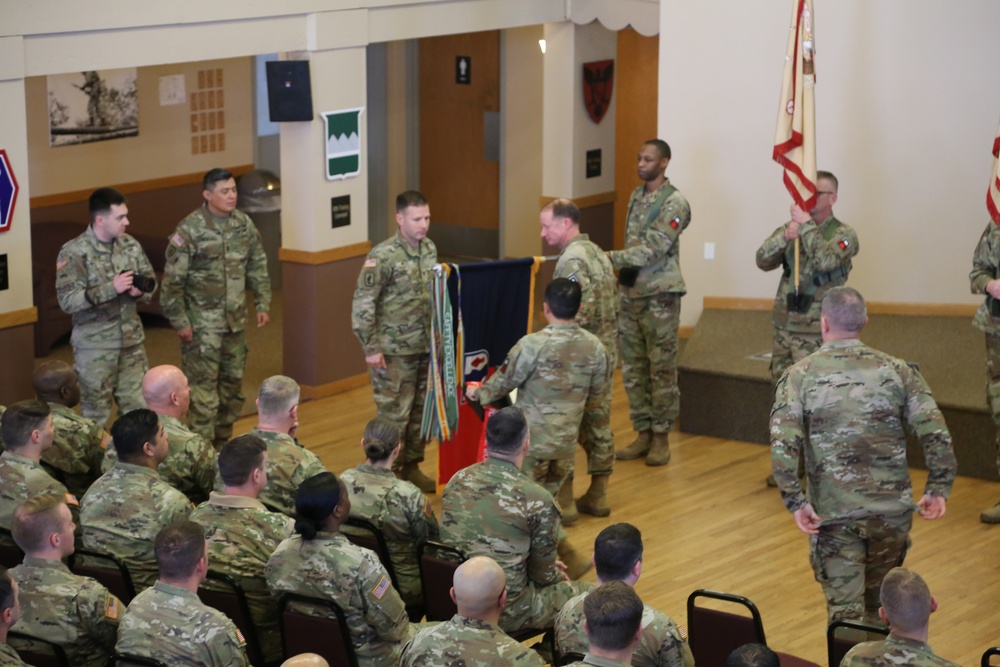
column 753, row 655
column 9, row 613
column 395, row 506
column 242, row 533
column 27, row 431
column 472, row 636
column 493, row 509
column 907, row 605
column 288, row 463
column 128, row 505
column 168, row 622
column 190, row 463
column 614, row 625
column 78, row 447
column 618, row 557
column 75, row 612
column 320, row 562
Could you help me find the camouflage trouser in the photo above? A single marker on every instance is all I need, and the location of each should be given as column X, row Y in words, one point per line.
column 537, row 606
column 851, row 559
column 399, row 391
column 104, row 373
column 993, row 382
column 647, row 327
column 595, row 429
column 213, row 362
column 550, row 473
column 791, row 347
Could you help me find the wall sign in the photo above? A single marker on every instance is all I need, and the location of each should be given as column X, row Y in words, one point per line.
column 343, row 142
column 598, row 84
column 463, row 70
column 8, row 192
column 594, row 163
column 340, row 211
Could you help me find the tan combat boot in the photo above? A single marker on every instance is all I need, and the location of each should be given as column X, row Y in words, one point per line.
column 576, row 565
column 992, row 515
column 566, row 504
column 595, row 501
column 411, row 472
column 639, row 447
column 659, row 453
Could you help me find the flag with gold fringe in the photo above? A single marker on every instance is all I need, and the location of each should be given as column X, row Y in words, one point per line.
column 993, row 194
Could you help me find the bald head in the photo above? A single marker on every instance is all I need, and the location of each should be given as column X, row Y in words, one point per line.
column 166, row 390
column 306, row 660
column 479, row 582
column 56, row 382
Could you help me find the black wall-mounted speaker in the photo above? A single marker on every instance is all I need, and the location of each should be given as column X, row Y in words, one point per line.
column 289, row 91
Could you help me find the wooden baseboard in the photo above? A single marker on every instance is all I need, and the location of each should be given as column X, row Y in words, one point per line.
column 684, row 332
column 333, row 388
column 17, row 318
column 329, row 256
column 874, row 307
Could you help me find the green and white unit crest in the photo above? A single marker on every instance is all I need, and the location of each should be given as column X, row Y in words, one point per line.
column 343, row 142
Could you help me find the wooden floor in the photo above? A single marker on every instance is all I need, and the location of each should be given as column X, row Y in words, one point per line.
column 708, row 521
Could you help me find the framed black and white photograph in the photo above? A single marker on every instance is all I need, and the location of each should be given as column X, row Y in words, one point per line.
column 92, row 106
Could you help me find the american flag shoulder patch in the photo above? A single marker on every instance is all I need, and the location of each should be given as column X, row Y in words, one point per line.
column 371, row 263
column 61, row 263
column 240, row 637
column 71, row 500
column 379, row 591
column 177, row 240
column 112, row 609
column 682, row 631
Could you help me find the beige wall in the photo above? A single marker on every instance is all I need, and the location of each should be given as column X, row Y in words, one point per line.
column 906, row 114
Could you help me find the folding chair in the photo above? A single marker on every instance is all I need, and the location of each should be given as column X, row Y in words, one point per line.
column 127, row 660
column 990, row 652
column 10, row 554
column 226, row 594
column 438, row 562
column 37, row 651
column 838, row 644
column 107, row 568
column 327, row 636
column 713, row 634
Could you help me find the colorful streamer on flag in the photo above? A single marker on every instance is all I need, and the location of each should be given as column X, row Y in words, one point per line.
column 440, row 418
column 795, row 136
column 993, row 194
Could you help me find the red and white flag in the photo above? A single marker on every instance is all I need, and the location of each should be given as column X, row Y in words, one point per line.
column 795, row 136
column 993, row 194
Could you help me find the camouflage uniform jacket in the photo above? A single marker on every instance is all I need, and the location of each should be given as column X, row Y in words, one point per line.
column 190, row 463
column 9, row 657
column 77, row 449
column 123, row 511
column 102, row 318
column 74, row 612
column 22, row 478
column 401, row 511
column 654, row 245
column 825, row 256
column 391, row 312
column 494, row 509
column 171, row 624
column 210, row 263
column 330, row 567
column 288, row 465
column 844, row 408
column 892, row 652
column 662, row 643
column 468, row 642
column 560, row 372
column 986, row 267
column 583, row 262
column 598, row 661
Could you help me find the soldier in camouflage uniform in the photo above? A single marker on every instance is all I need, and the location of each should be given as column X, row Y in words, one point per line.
column 985, row 279
column 28, row 432
column 396, row 507
column 582, row 261
column 95, row 283
column 618, row 557
column 288, row 462
column 10, row 611
column 649, row 273
column 472, row 637
column 391, row 316
column 212, row 257
column 124, row 509
column 320, row 562
column 614, row 616
column 242, row 533
column 190, row 463
column 79, row 443
column 77, row 613
column 847, row 408
column 493, row 509
column 907, row 605
column 168, row 622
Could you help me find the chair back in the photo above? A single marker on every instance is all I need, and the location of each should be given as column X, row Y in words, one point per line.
column 36, row 651
column 128, row 660
column 569, row 658
column 990, row 652
column 713, row 634
column 10, row 554
column 327, row 635
column 106, row 568
column 438, row 562
column 367, row 535
column 838, row 643
column 226, row 594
